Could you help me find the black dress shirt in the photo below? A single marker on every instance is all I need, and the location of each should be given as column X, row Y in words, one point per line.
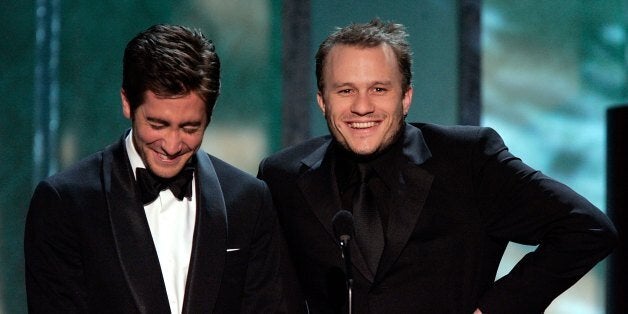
column 384, row 181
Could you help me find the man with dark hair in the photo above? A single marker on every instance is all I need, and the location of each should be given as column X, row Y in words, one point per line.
column 433, row 206
column 152, row 224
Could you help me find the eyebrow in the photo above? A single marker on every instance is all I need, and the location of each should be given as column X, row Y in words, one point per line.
column 183, row 124
column 382, row 83
column 336, row 85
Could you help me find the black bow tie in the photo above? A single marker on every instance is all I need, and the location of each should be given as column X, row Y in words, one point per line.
column 150, row 184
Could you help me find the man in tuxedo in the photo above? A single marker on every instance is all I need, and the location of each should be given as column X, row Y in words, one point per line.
column 152, row 224
column 433, row 206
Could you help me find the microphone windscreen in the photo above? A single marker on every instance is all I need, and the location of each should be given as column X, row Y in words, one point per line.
column 342, row 223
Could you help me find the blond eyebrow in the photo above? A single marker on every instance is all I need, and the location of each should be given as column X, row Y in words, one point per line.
column 336, row 85
column 387, row 83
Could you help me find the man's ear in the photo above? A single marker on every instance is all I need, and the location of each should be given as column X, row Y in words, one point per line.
column 126, row 106
column 406, row 101
column 320, row 101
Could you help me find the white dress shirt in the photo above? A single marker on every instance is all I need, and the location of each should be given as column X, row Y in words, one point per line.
column 171, row 223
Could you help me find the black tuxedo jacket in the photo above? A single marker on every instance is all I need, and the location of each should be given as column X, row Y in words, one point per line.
column 463, row 197
column 88, row 246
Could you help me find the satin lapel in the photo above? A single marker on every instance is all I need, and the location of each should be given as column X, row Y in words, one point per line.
column 320, row 191
column 210, row 241
column 131, row 233
column 407, row 206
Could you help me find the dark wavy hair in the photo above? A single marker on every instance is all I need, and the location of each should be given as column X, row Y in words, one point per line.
column 170, row 60
column 370, row 34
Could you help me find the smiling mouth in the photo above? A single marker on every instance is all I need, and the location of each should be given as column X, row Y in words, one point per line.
column 167, row 158
column 362, row 125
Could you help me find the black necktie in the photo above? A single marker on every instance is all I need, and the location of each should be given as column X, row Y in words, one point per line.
column 150, row 184
column 369, row 232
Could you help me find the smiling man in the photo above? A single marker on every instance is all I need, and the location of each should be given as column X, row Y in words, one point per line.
column 433, row 206
column 152, row 224
column 364, row 100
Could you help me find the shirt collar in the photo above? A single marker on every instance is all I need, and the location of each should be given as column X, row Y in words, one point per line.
column 134, row 156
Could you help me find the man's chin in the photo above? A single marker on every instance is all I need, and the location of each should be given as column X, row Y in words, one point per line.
column 168, row 170
column 165, row 173
column 366, row 151
column 359, row 152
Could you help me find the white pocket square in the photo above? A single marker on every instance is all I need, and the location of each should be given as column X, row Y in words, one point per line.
column 233, row 250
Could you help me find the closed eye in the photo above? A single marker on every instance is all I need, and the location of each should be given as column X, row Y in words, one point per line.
column 157, row 126
column 191, row 129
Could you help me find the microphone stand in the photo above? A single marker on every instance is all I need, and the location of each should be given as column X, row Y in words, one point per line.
column 343, row 229
column 346, row 255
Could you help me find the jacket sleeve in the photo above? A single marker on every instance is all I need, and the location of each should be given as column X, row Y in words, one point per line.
column 523, row 205
column 54, row 276
column 270, row 280
column 292, row 298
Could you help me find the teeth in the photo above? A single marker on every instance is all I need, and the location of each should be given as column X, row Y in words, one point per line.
column 362, row 125
column 166, row 157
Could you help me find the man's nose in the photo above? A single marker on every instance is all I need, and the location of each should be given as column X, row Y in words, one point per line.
column 172, row 142
column 362, row 104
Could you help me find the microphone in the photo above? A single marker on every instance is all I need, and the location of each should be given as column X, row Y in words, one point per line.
column 342, row 224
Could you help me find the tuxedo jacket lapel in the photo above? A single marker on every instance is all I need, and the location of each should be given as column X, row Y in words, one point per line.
column 210, row 241
column 131, row 233
column 320, row 191
column 405, row 211
column 407, row 204
column 316, row 183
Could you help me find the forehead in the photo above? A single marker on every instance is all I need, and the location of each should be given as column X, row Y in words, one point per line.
column 352, row 62
column 187, row 106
